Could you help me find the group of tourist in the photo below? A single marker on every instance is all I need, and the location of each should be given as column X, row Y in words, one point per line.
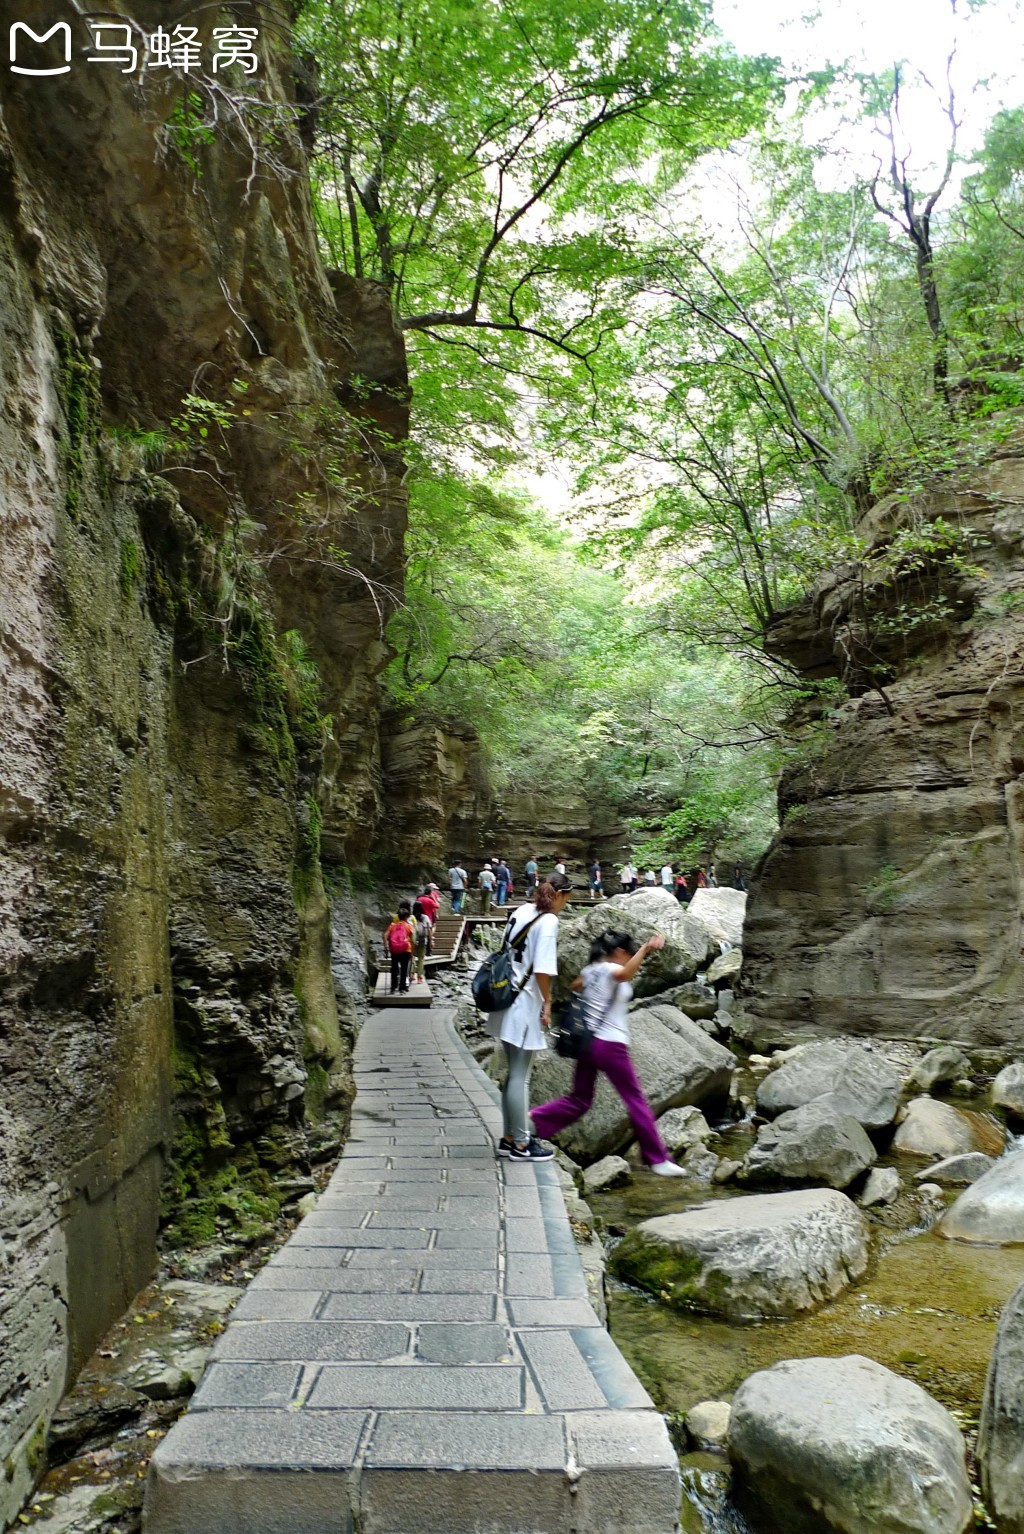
column 532, row 936
column 673, row 879
column 408, row 939
column 494, row 883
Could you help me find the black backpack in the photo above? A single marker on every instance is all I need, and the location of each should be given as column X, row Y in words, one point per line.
column 494, row 984
column 577, row 1022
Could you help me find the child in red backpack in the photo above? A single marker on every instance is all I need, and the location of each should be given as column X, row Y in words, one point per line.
column 400, row 942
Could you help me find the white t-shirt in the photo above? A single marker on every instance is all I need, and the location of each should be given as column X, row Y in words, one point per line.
column 456, row 878
column 486, row 879
column 608, row 999
column 521, row 1024
column 668, row 878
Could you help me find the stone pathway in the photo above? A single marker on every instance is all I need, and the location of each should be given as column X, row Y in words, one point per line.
column 421, row 1355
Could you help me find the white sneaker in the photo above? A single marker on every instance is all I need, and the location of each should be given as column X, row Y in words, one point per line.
column 667, row 1169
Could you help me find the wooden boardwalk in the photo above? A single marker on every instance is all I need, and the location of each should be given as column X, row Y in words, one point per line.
column 415, row 996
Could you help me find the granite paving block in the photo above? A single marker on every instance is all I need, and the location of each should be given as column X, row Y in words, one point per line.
column 526, row 1236
column 447, row 1219
column 562, row 1313
column 629, row 1472
column 246, row 1385
column 443, row 1501
column 278, row 1305
column 485, row 1387
column 308, row 1257
column 529, row 1275
column 619, row 1384
column 398, row 1280
column 312, row 1341
column 454, row 1343
column 522, row 1203
column 458, row 1281
column 428, row 1260
column 273, row 1439
column 413, row 1235
column 467, row 1440
column 409, row 1308
column 466, row 1240
column 562, row 1374
column 193, row 1500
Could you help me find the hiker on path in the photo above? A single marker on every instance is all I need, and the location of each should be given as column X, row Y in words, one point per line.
column 430, row 900
column 605, row 982
column 457, row 881
column 503, row 878
column 682, row 889
column 422, row 927
column 531, row 876
column 485, row 883
column 668, row 878
column 596, row 886
column 400, row 944
column 522, row 1028
column 650, row 878
column 738, row 881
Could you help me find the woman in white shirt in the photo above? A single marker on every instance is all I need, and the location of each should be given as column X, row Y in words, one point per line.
column 523, row 1026
column 614, row 959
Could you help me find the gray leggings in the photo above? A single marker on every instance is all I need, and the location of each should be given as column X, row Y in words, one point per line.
column 515, row 1094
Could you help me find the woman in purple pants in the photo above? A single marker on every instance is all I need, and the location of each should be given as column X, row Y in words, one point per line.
column 614, row 959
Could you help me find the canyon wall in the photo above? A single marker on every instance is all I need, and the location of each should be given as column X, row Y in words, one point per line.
column 890, row 902
column 195, row 419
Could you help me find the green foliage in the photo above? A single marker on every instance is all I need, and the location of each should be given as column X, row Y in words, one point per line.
column 131, row 566
column 188, row 130
column 81, row 400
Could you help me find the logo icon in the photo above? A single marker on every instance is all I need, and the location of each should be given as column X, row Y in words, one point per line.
column 40, row 37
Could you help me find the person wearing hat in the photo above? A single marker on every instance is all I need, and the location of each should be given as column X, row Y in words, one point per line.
column 430, row 900
column 532, row 935
column 485, row 881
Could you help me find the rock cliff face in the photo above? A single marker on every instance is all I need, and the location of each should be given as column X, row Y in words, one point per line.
column 187, row 667
column 442, row 804
column 890, row 902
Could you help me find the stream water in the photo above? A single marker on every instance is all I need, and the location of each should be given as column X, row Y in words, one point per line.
column 927, row 1308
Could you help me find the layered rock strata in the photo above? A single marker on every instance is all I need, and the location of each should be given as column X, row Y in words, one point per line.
column 890, row 901
column 188, row 668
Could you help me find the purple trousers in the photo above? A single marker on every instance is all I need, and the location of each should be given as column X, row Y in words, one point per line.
column 614, row 1060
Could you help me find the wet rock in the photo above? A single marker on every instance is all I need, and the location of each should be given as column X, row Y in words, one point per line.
column 642, row 915
column 957, row 1171
column 699, row 1164
column 811, row 1144
column 721, row 912
column 1001, row 1429
column 707, row 1424
column 682, row 1127
column 169, row 1372
column 726, row 968
column 726, row 1170
column 844, row 1445
column 676, row 1061
column 609, row 1172
column 726, row 1001
column 1008, row 1089
column 858, row 1081
column 938, row 1067
column 939, row 1130
column 882, row 1187
column 991, row 1210
column 776, row 1254
column 696, row 1000
column 85, row 1416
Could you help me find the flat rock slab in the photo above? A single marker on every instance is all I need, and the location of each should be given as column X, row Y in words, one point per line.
column 773, row 1254
column 427, row 1322
column 855, row 1080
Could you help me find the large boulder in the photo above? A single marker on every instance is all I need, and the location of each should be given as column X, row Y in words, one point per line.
column 938, row 1068
column 676, row 1061
column 812, row 1144
column 769, row 1254
column 721, row 912
column 991, row 1210
column 844, row 1445
column 938, row 1130
column 1001, row 1429
column 1008, row 1089
column 858, row 1081
column 644, row 914
column 683, row 1128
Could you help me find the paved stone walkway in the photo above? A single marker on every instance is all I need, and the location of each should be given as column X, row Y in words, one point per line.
column 421, row 1355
